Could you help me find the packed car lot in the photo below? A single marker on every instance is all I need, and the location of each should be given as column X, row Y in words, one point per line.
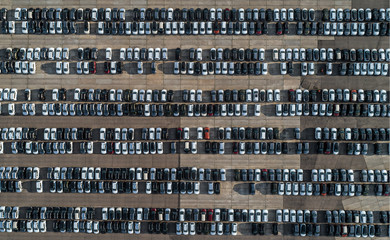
column 276, row 120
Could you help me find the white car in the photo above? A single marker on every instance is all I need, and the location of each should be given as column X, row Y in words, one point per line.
column 122, row 54
column 108, row 54
column 257, row 108
column 11, row 27
column 11, row 109
column 13, row 94
column 65, row 67
column 199, row 54
column 39, row 186
column 59, row 67
column 18, row 14
column 31, row 67
column 77, row 94
column 58, row 53
column 100, row 29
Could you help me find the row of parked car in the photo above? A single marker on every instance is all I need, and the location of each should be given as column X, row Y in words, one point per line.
column 268, row 175
column 17, row 67
column 62, row 68
column 322, row 175
column 77, row 213
column 11, row 186
column 185, row 228
column 338, row 189
column 356, row 231
column 8, row 94
column 348, row 216
column 343, row 29
column 228, row 133
column 124, row 134
column 127, row 95
column 363, row 69
column 241, row 148
column 327, row 175
column 210, row 68
column 124, row 148
column 237, row 215
column 33, row 147
column 351, row 148
column 228, row 54
column 304, row 230
column 245, row 95
column 235, row 95
column 196, row 95
column 30, row 226
column 73, row 14
column 356, row 69
column 37, row 54
column 293, row 216
column 199, row 28
column 173, row 174
column 144, row 214
column 338, row 95
column 146, row 110
column 115, row 187
column 193, row 228
column 9, row 212
column 198, row 14
column 131, row 227
column 41, row 27
column 220, row 68
column 330, row 54
column 91, row 173
column 187, row 214
column 97, row 227
column 323, row 109
column 139, row 54
column 66, row 134
column 355, row 134
column 19, row 173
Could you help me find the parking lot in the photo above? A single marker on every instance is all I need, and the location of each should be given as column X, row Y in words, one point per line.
column 233, row 194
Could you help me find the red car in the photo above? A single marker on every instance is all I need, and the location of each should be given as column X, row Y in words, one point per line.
column 206, row 131
column 210, row 214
